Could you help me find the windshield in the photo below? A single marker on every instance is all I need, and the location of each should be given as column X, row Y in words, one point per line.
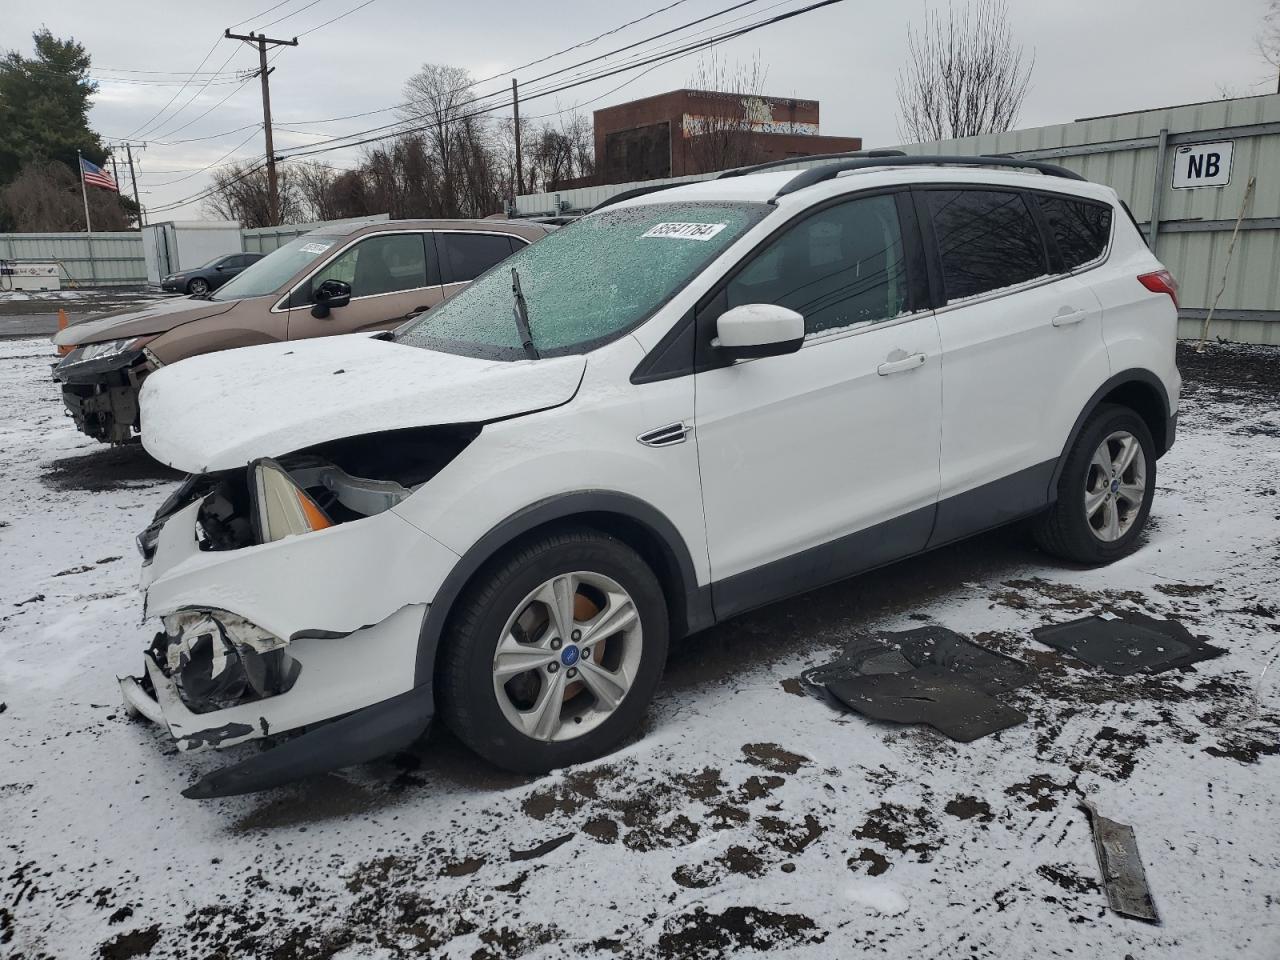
column 269, row 274
column 586, row 282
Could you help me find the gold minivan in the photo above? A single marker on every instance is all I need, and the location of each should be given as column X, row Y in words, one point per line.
column 330, row 281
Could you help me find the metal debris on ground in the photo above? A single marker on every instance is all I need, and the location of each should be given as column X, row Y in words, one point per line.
column 1123, row 875
column 1130, row 644
column 928, row 675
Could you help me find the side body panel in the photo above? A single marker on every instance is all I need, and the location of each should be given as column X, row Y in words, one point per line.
column 588, row 444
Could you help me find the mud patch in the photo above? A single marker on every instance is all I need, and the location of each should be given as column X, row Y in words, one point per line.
column 964, row 807
column 108, row 468
column 135, row 943
column 702, row 934
column 902, row 829
column 1040, row 792
column 773, row 757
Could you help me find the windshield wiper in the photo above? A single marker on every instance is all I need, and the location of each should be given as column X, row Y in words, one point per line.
column 522, row 317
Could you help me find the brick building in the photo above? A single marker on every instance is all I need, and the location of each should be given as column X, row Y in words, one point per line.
column 696, row 131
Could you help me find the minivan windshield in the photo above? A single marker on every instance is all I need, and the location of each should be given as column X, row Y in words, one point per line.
column 269, row 274
column 586, row 282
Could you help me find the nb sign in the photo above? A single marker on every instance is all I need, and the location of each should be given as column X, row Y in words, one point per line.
column 1202, row 165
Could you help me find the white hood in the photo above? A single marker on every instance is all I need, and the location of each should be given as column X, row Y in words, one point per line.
column 224, row 410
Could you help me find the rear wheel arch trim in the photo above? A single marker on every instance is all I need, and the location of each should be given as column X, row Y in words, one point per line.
column 1137, row 375
column 690, row 611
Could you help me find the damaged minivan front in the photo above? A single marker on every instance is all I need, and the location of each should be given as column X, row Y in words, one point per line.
column 288, row 594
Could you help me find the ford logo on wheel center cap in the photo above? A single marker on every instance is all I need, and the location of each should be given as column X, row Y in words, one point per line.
column 569, row 655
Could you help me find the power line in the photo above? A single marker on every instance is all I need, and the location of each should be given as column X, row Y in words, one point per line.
column 178, row 93
column 285, row 17
column 653, row 61
column 165, row 128
column 207, row 166
column 337, row 18
column 534, row 63
column 689, row 48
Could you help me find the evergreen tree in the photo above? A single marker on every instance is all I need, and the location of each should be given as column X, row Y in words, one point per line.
column 44, row 107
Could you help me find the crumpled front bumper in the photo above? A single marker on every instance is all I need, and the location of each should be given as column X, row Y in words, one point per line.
column 346, row 603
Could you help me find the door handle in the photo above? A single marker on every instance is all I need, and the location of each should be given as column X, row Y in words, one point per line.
column 901, row 366
column 1067, row 317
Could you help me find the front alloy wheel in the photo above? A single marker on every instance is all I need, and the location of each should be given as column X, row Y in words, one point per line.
column 567, row 656
column 553, row 652
column 198, row 287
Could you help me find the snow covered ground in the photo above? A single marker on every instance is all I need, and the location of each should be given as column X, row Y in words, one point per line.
column 748, row 816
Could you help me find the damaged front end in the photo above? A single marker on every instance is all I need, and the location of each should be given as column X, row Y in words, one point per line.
column 292, row 597
column 100, row 387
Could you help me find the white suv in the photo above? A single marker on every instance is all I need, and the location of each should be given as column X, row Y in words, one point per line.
column 685, row 405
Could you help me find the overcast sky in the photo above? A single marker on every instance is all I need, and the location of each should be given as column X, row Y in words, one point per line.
column 1091, row 57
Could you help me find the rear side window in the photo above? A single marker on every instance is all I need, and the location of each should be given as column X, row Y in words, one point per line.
column 1081, row 228
column 987, row 239
column 841, row 267
column 467, row 255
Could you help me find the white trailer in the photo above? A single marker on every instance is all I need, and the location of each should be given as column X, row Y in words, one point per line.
column 185, row 244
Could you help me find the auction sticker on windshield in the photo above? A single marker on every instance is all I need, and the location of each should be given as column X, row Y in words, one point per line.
column 684, row 231
column 315, row 247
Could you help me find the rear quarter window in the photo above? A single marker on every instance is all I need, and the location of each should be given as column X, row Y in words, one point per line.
column 1081, row 228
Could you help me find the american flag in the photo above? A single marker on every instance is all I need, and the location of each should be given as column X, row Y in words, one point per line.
column 95, row 176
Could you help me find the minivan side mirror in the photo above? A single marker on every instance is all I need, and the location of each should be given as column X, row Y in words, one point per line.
column 758, row 330
column 330, row 294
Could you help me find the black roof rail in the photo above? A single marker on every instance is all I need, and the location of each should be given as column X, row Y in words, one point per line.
column 633, row 192
column 807, row 178
column 788, row 161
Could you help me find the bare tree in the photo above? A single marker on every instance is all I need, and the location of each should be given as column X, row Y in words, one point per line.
column 1269, row 40
column 240, row 193
column 45, row 197
column 315, row 182
column 722, row 137
column 964, row 76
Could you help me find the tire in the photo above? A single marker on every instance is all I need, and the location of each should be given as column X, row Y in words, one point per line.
column 491, row 701
column 1069, row 529
column 198, row 287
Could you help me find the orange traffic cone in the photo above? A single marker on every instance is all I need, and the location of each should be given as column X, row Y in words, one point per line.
column 62, row 325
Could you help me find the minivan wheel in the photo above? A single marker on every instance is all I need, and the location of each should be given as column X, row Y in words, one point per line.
column 1105, row 491
column 554, row 652
column 198, row 287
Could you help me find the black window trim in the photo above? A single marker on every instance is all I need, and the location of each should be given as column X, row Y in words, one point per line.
column 685, row 349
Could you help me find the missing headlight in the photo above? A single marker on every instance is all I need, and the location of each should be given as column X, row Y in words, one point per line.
column 219, row 660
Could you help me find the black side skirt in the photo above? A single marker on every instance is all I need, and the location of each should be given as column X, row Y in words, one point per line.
column 994, row 504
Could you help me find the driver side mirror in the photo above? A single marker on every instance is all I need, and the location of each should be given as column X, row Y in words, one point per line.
column 758, row 330
column 330, row 294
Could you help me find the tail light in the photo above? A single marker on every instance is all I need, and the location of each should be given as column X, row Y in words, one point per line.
column 1161, row 281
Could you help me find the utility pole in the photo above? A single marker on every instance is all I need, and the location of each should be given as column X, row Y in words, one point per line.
column 137, row 198
column 133, row 177
column 515, row 107
column 262, row 41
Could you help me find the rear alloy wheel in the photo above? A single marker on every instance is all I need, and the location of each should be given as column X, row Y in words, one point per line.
column 198, row 287
column 1104, row 492
column 555, row 653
